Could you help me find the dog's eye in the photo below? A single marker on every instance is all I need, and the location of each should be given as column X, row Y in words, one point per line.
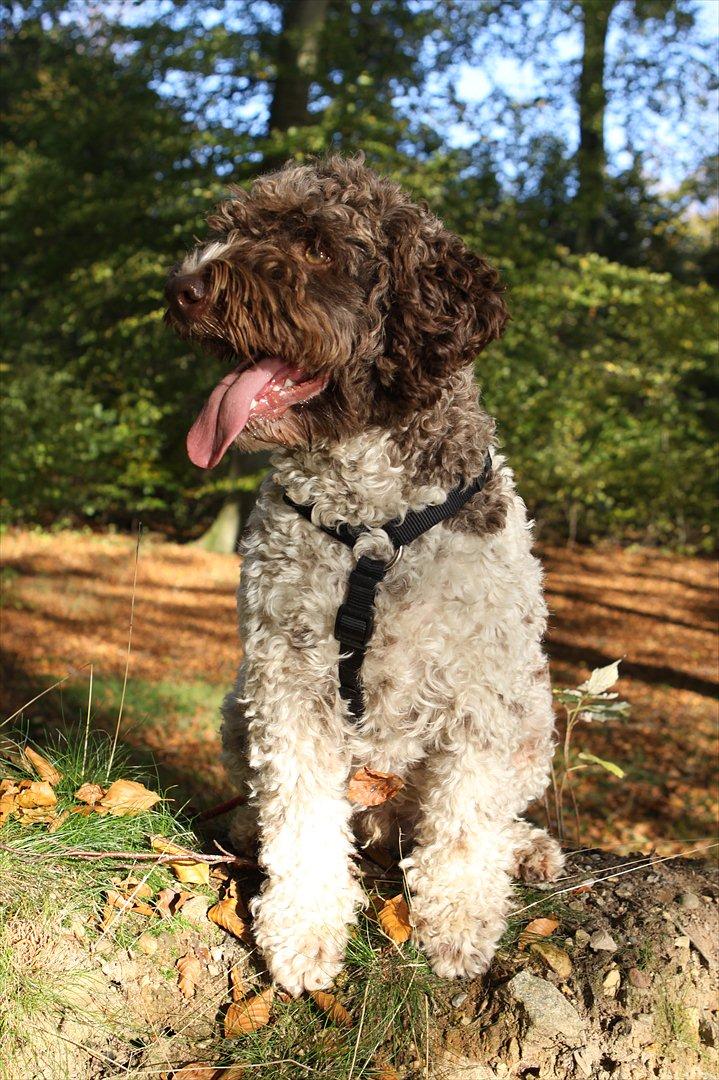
column 316, row 255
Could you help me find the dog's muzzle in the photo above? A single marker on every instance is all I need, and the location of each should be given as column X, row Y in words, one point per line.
column 187, row 296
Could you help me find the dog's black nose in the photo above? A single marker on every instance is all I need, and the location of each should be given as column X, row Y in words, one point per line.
column 187, row 295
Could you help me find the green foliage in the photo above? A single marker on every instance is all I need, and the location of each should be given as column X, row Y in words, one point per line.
column 117, row 137
column 603, row 389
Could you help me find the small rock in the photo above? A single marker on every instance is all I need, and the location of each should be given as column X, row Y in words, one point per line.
column 611, row 981
column 514, row 1052
column 581, row 938
column 690, row 901
column 582, row 1064
column 147, row 944
column 465, row 1021
column 214, row 970
column 458, row 999
column 601, row 941
column 217, row 953
column 682, row 942
column 195, row 909
column 554, row 957
column 548, row 1010
column 639, row 979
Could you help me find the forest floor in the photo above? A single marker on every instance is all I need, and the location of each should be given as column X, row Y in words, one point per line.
column 114, row 966
column 66, row 605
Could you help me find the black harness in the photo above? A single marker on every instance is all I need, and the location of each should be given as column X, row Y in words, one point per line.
column 355, row 617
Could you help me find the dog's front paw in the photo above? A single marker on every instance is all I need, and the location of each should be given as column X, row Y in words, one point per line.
column 538, row 858
column 302, row 950
column 457, row 940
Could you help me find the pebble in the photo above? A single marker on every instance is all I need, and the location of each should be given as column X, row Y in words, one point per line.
column 147, row 944
column 690, row 901
column 217, row 953
column 612, row 980
column 458, row 999
column 554, row 957
column 682, row 942
column 582, row 1064
column 601, row 941
column 547, row 1008
column 466, row 1021
column 639, row 979
column 581, row 937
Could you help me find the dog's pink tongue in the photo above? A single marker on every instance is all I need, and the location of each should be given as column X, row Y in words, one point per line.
column 226, row 411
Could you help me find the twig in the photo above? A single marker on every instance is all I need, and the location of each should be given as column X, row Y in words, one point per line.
column 127, row 657
column 221, row 808
column 135, row 856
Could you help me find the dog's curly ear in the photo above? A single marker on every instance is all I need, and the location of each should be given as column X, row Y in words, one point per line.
column 442, row 303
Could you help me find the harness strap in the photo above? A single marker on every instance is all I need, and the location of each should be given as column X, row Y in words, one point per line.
column 354, row 623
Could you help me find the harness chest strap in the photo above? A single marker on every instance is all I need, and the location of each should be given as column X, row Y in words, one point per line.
column 354, row 623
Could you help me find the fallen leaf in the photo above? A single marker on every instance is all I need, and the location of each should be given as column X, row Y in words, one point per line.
column 371, row 788
column 36, row 815
column 329, row 1004
column 200, row 1070
column 58, row 821
column 83, row 811
column 248, row 1015
column 126, row 798
column 90, row 794
column 44, row 769
column 116, row 902
column 537, row 928
column 8, row 806
column 189, row 974
column 224, row 914
column 554, row 957
column 168, row 902
column 36, row 793
column 394, row 919
column 187, row 870
column 8, row 787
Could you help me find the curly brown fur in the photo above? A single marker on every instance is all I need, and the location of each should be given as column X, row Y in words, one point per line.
column 394, row 316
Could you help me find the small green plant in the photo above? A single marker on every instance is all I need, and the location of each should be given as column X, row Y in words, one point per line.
column 590, row 702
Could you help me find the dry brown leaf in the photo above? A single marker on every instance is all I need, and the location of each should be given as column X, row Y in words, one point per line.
column 188, row 871
column 168, row 902
column 537, row 928
column 90, row 794
column 83, row 811
column 394, row 919
column 8, row 806
column 8, row 786
column 35, row 793
column 44, row 769
column 189, row 974
column 116, row 901
column 224, row 914
column 200, row 1070
column 248, row 1015
column 58, row 821
column 37, row 815
column 329, row 1004
column 238, row 984
column 371, row 788
column 126, row 798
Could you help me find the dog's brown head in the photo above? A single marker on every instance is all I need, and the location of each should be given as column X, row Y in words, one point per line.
column 338, row 303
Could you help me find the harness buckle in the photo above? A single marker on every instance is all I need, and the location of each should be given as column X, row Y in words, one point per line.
column 352, row 629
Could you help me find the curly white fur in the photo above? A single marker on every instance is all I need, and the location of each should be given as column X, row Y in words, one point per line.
column 457, row 703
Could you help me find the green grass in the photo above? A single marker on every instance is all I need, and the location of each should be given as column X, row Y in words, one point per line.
column 44, row 971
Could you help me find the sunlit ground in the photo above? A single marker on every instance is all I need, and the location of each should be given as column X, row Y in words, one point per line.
column 66, row 606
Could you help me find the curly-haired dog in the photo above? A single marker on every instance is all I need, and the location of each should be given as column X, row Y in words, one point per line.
column 350, row 318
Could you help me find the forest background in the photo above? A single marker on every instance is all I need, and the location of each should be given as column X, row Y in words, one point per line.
column 572, row 141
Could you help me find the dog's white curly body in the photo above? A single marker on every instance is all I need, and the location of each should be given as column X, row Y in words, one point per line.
column 457, row 703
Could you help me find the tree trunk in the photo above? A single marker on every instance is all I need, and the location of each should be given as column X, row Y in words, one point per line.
column 297, row 53
column 591, row 157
